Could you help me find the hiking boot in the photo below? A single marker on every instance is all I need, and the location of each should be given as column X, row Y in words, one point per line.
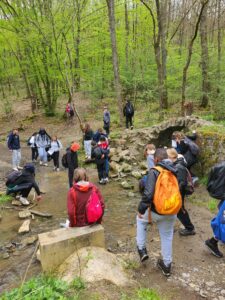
column 24, row 201
column 165, row 270
column 57, row 169
column 186, row 232
column 212, row 245
column 195, row 179
column 15, row 169
column 143, row 254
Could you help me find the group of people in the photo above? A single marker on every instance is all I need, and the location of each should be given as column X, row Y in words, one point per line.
column 163, row 190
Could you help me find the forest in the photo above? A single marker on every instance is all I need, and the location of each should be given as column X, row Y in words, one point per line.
column 156, row 51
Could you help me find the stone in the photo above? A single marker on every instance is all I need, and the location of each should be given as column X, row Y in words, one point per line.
column 24, row 214
column 143, row 165
column 5, row 255
column 143, row 173
column 115, row 167
column 112, row 152
column 29, row 240
column 38, row 255
column 126, row 185
column 126, row 168
column 58, row 245
column 210, row 283
column 136, row 174
column 0, row 217
column 116, row 158
column 223, row 292
column 131, row 195
column 186, row 275
column 93, row 264
column 221, row 298
column 25, row 227
column 16, row 203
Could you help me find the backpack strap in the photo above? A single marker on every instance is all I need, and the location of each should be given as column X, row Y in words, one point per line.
column 158, row 168
column 74, row 195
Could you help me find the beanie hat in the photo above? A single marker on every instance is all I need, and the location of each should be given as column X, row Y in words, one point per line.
column 29, row 167
column 74, row 147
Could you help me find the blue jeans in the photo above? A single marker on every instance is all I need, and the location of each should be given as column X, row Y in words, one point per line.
column 107, row 167
column 165, row 224
column 42, row 154
column 16, row 157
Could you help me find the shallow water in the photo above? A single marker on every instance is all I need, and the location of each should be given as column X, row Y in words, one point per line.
column 118, row 221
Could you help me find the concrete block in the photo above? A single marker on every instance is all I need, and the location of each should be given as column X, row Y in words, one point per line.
column 57, row 245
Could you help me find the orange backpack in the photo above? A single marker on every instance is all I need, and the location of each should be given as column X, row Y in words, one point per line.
column 167, row 198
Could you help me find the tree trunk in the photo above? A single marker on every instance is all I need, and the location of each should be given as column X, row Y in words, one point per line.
column 218, row 45
column 126, row 34
column 112, row 29
column 204, row 59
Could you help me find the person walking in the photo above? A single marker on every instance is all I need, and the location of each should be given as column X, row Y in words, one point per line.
column 77, row 201
column 106, row 120
column 34, row 150
column 54, row 150
column 14, row 146
column 182, row 176
column 88, row 135
column 43, row 142
column 72, row 160
column 128, row 112
column 154, row 207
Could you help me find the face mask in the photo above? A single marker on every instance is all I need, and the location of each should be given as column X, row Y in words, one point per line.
column 174, row 144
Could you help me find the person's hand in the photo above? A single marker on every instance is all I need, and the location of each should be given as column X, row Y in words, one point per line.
column 194, row 131
column 140, row 215
column 39, row 198
column 102, row 156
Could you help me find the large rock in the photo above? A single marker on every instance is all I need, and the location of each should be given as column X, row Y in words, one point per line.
column 136, row 174
column 93, row 264
column 25, row 227
column 112, row 152
column 57, row 245
column 126, row 185
column 126, row 168
column 116, row 158
column 116, row 168
column 24, row 214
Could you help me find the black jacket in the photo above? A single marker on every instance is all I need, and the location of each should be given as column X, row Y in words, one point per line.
column 182, row 174
column 186, row 152
column 148, row 195
column 27, row 177
column 88, row 135
column 72, row 159
column 13, row 141
column 128, row 110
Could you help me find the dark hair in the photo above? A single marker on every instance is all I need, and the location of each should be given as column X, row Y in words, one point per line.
column 30, row 168
column 102, row 138
column 160, row 154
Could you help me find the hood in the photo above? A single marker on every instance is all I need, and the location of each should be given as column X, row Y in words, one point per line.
column 180, row 161
column 75, row 147
column 83, row 186
column 168, row 165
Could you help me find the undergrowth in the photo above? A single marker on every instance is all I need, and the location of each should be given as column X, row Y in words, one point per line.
column 4, row 198
column 143, row 294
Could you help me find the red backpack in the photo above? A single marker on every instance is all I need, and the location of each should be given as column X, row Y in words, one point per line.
column 94, row 209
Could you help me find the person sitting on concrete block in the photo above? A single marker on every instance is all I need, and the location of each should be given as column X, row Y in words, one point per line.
column 85, row 203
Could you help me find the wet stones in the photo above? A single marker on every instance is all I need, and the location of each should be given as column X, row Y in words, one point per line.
column 24, row 214
column 16, row 203
column 126, row 185
column 25, row 227
column 136, row 174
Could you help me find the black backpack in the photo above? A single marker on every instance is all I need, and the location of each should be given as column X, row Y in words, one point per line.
column 64, row 161
column 216, row 181
column 130, row 109
column 97, row 153
column 12, row 177
column 192, row 146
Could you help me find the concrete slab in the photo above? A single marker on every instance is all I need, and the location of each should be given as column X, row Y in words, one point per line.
column 57, row 245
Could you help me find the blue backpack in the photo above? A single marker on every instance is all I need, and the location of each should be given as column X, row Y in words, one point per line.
column 218, row 223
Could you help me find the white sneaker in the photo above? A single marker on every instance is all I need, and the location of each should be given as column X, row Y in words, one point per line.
column 107, row 179
column 54, row 169
column 17, row 197
column 19, row 168
column 41, row 163
column 15, row 169
column 66, row 224
column 45, row 164
column 57, row 169
column 24, row 201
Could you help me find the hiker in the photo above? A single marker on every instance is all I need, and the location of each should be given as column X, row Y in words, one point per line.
column 72, row 160
column 69, row 110
column 98, row 134
column 23, row 184
column 88, row 135
column 13, row 142
column 188, row 148
column 104, row 145
column 34, row 150
column 43, row 142
column 79, row 198
column 216, row 189
column 100, row 153
column 182, row 176
column 128, row 112
column 106, row 120
column 54, row 150
column 156, row 205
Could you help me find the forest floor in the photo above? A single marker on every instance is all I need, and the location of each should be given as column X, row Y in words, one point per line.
column 196, row 273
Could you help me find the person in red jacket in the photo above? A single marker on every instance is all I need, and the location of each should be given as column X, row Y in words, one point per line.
column 78, row 197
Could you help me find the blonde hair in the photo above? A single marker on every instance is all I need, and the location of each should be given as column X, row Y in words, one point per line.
column 172, row 153
column 80, row 174
column 150, row 147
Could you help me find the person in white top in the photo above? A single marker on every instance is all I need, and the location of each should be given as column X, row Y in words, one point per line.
column 33, row 146
column 54, row 150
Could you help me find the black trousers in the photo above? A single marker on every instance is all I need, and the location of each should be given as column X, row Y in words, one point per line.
column 70, row 176
column 106, row 129
column 23, row 189
column 184, row 218
column 55, row 157
column 101, row 171
column 34, row 153
column 129, row 121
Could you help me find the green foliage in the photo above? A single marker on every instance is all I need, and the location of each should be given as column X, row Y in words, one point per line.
column 44, row 288
column 78, row 284
column 212, row 205
column 5, row 198
column 143, row 294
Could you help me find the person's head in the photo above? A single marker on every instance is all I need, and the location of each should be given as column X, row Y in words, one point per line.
column 105, row 108
column 54, row 138
column 15, row 131
column 87, row 127
column 160, row 154
column 149, row 149
column 172, row 154
column 102, row 139
column 80, row 174
column 29, row 168
column 74, row 147
column 178, row 135
column 42, row 131
column 100, row 130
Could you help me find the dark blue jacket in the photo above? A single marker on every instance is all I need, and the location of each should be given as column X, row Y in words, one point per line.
column 13, row 142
